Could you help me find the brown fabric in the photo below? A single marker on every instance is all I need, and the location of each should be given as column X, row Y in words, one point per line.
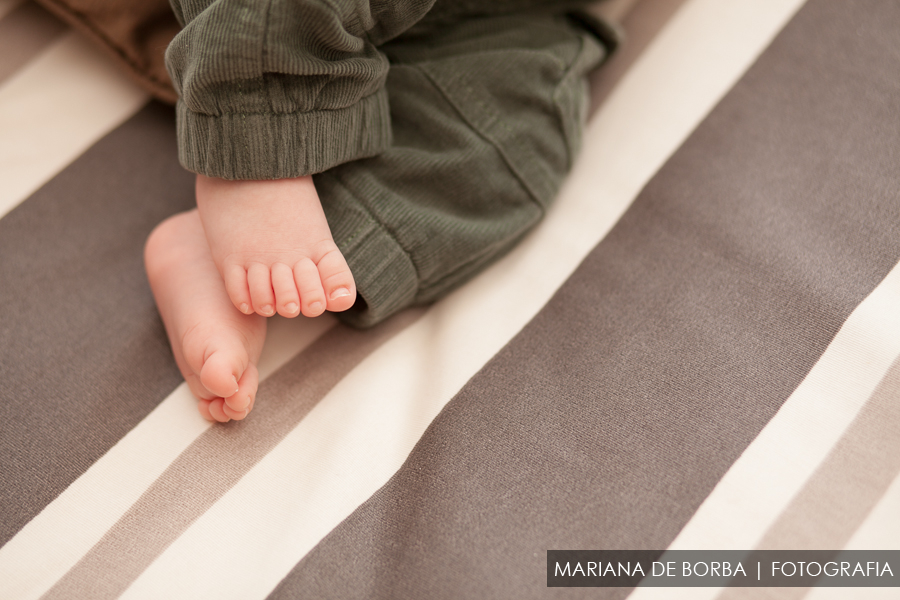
column 136, row 34
column 24, row 32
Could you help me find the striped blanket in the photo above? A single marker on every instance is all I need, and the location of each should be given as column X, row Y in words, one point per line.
column 698, row 348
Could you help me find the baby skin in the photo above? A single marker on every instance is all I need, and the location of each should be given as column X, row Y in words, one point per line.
column 251, row 249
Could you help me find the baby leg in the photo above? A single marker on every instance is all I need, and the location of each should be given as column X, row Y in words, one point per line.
column 215, row 346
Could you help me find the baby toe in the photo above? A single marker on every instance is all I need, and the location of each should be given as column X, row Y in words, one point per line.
column 312, row 296
column 242, row 401
column 222, row 370
column 203, row 407
column 236, row 415
column 337, row 280
column 190, row 373
column 287, row 300
column 238, row 291
column 217, row 412
column 259, row 281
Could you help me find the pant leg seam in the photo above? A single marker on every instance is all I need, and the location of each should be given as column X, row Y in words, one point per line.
column 498, row 147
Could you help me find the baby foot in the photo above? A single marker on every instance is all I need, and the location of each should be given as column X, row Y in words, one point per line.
column 216, row 347
column 271, row 243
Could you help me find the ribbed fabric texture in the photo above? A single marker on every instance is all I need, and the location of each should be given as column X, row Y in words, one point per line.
column 487, row 117
column 289, row 88
column 282, row 145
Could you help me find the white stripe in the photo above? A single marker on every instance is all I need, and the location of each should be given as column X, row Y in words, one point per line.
column 55, row 108
column 880, row 531
column 46, row 548
column 360, row 434
column 776, row 466
column 7, row 6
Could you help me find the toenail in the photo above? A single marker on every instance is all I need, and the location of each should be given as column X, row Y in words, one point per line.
column 266, row 309
column 291, row 307
column 315, row 306
column 245, row 308
column 237, row 388
column 339, row 293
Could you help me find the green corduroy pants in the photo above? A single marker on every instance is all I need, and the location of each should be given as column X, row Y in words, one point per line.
column 487, row 116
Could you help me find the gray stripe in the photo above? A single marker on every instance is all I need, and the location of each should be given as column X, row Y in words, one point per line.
column 217, row 460
column 615, row 412
column 24, row 32
column 844, row 489
column 83, row 354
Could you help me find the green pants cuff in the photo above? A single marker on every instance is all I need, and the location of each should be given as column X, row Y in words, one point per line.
column 386, row 279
